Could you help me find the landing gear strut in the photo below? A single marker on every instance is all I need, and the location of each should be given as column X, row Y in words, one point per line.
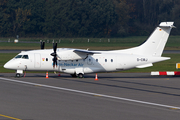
column 74, row 75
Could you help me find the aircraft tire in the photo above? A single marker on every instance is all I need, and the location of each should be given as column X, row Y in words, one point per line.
column 18, row 75
column 80, row 75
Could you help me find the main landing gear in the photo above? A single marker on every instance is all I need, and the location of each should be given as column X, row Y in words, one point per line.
column 74, row 75
column 80, row 75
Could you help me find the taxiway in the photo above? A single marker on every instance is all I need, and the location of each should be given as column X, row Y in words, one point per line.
column 117, row 96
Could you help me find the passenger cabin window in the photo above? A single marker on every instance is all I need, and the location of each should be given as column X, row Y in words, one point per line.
column 105, row 60
column 46, row 59
column 96, row 60
column 111, row 60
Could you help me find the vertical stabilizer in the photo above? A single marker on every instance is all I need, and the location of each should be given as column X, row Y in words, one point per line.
column 155, row 44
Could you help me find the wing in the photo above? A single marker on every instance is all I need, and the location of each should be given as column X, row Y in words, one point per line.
column 85, row 52
column 75, row 54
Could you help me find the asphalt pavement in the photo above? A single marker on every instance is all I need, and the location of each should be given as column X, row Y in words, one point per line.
column 115, row 96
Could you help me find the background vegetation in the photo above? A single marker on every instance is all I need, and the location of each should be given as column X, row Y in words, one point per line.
column 85, row 18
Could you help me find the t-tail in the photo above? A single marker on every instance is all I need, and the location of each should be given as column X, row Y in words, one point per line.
column 155, row 44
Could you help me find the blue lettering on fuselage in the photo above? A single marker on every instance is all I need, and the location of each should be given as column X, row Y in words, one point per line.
column 70, row 64
column 80, row 64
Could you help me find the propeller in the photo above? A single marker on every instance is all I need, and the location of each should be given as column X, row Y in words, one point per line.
column 42, row 45
column 54, row 54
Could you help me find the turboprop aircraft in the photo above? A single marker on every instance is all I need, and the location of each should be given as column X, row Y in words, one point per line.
column 78, row 62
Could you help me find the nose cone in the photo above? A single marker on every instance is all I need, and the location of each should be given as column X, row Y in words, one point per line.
column 7, row 65
column 10, row 65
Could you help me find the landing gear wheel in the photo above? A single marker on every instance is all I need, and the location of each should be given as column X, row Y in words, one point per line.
column 80, row 75
column 18, row 75
column 73, row 75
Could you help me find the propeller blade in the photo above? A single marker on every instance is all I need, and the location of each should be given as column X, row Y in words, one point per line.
column 42, row 45
column 54, row 61
column 55, row 47
column 54, row 54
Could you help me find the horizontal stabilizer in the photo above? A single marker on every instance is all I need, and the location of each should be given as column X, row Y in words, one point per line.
column 167, row 24
column 144, row 66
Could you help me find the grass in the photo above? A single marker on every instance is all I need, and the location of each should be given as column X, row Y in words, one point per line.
column 169, row 65
column 94, row 43
column 82, row 43
column 4, row 58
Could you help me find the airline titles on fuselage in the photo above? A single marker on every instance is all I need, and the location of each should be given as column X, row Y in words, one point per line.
column 70, row 64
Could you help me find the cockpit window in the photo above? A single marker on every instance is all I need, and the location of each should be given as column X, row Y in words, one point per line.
column 25, row 57
column 22, row 56
column 18, row 56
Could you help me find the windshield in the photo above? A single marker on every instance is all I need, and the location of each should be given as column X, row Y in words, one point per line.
column 18, row 56
column 22, row 56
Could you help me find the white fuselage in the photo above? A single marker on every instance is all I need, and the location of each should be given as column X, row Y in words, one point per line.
column 106, row 61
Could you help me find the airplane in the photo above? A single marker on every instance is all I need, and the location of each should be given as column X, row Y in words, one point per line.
column 78, row 62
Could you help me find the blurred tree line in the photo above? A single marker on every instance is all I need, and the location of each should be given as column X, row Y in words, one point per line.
column 85, row 18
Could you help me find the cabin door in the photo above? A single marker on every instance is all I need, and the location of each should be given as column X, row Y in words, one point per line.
column 37, row 60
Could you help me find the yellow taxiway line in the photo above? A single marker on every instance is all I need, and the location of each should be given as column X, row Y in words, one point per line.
column 9, row 117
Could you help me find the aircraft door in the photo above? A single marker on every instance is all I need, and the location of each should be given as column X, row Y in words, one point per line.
column 37, row 60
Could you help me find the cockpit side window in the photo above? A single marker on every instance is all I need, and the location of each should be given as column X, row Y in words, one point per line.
column 25, row 57
column 18, row 56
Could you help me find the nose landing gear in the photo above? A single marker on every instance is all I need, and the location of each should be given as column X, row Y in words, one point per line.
column 19, row 73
